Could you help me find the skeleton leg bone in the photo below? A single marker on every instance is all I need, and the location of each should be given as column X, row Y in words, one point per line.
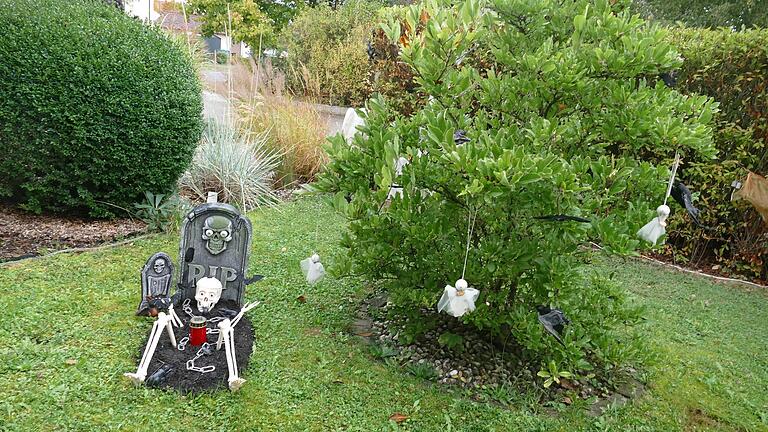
column 154, row 336
column 169, row 327
column 227, row 333
column 174, row 317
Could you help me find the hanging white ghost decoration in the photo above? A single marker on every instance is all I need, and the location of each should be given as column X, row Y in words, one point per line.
column 313, row 269
column 654, row 229
column 459, row 300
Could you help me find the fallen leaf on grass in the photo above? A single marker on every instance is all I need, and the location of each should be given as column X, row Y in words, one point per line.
column 567, row 384
column 301, row 299
column 71, row 362
column 398, row 418
column 567, row 400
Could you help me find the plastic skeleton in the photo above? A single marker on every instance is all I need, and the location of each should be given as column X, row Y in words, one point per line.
column 227, row 338
column 164, row 321
column 654, row 229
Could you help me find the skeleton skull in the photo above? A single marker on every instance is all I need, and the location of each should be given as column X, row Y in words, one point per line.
column 217, row 232
column 208, row 293
column 159, row 265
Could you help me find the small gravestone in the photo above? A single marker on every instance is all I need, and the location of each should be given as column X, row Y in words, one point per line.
column 215, row 242
column 156, row 279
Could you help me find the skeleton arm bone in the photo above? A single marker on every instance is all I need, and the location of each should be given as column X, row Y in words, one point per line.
column 245, row 309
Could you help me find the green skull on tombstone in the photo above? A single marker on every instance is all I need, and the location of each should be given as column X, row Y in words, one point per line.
column 215, row 243
column 217, row 232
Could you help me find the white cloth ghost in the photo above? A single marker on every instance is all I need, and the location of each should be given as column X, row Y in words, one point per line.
column 654, row 229
column 459, row 300
column 351, row 121
column 313, row 269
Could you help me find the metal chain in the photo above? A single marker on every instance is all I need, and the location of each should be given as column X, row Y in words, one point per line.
column 186, row 306
column 182, row 345
column 205, row 349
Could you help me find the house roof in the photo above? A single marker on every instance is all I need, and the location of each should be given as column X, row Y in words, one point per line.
column 174, row 21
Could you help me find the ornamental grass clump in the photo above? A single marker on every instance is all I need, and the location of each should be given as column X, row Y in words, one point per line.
column 234, row 163
column 558, row 111
column 294, row 129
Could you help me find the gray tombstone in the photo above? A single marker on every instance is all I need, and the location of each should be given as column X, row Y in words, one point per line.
column 156, row 278
column 215, row 242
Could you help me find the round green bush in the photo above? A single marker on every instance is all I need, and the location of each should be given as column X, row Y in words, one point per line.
column 95, row 107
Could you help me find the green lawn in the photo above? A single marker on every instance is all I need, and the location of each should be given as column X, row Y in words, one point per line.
column 306, row 373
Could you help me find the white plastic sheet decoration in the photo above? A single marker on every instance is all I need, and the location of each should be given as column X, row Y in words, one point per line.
column 313, row 269
column 456, row 301
column 351, row 121
column 653, row 230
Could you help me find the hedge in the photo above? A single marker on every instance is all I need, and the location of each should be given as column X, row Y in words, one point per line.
column 732, row 67
column 95, row 107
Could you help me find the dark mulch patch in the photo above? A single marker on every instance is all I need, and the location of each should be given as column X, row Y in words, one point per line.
column 24, row 234
column 194, row 382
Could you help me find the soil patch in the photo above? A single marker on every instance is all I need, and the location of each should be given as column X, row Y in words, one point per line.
column 187, row 381
column 23, row 235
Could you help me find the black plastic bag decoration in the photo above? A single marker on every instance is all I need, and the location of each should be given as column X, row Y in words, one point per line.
column 682, row 195
column 553, row 320
column 460, row 137
column 669, row 78
column 562, row 218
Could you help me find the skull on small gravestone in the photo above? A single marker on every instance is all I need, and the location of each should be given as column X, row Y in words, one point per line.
column 208, row 293
column 159, row 265
column 217, row 232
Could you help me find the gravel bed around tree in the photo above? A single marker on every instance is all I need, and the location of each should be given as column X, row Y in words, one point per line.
column 456, row 355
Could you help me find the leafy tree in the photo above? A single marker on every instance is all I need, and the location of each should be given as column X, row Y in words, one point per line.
column 253, row 21
column 560, row 104
column 327, row 59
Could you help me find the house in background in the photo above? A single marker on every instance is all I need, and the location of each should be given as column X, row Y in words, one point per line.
column 141, row 9
column 174, row 22
column 220, row 42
